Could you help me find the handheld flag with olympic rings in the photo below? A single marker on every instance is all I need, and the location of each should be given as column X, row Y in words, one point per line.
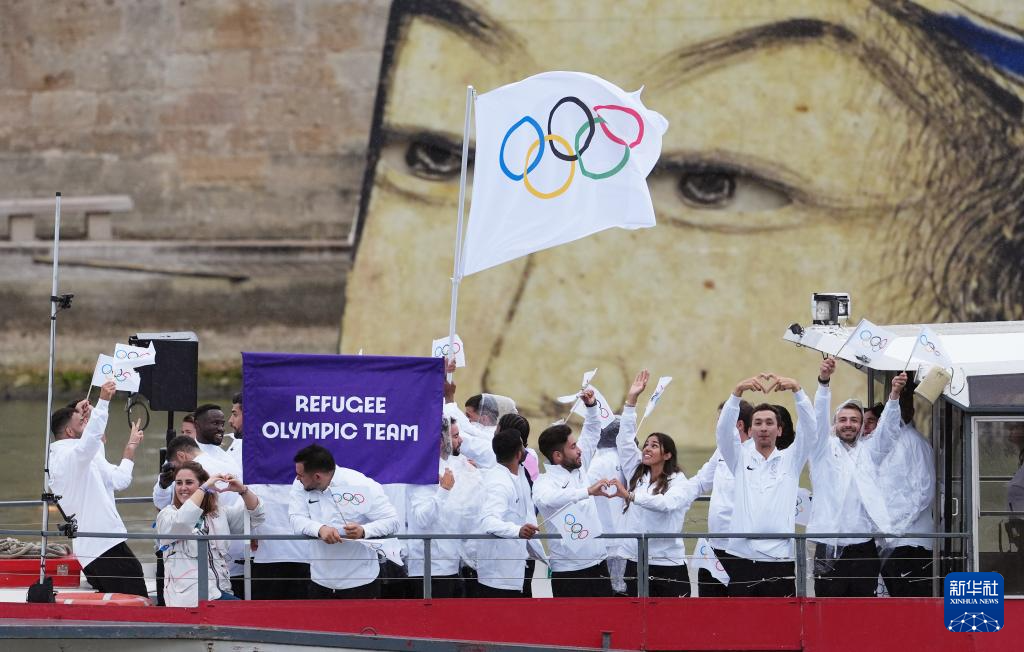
column 108, row 368
column 604, row 409
column 867, row 341
column 930, row 349
column 579, row 523
column 440, row 348
column 656, row 396
column 134, row 356
column 559, row 156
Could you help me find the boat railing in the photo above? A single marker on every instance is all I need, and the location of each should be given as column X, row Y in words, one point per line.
column 642, row 539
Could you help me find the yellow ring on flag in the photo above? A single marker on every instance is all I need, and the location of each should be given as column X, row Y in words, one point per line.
column 572, row 168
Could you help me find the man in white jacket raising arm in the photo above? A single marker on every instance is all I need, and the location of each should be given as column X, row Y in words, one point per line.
column 581, row 571
column 766, row 482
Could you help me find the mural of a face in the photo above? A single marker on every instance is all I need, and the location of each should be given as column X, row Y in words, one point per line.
column 864, row 146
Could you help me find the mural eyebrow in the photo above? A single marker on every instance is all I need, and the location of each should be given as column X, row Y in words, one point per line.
column 457, row 17
column 708, row 55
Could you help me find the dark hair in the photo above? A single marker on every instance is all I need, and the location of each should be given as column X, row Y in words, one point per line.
column 209, row 504
column 474, row 402
column 315, row 458
column 179, row 444
column 59, row 420
column 189, row 418
column 876, row 410
column 506, row 444
column 204, row 408
column 671, row 466
column 237, row 398
column 788, row 435
column 766, row 407
column 552, row 439
column 515, row 422
column 746, row 414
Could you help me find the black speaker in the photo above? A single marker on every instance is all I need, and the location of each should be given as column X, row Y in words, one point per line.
column 170, row 384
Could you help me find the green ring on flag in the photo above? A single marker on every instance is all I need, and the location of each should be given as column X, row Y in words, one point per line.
column 597, row 176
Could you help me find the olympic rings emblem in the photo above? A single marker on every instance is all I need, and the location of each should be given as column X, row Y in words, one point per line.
column 119, row 375
column 603, row 410
column 876, row 342
column 350, row 498
column 928, row 344
column 126, row 355
column 575, row 529
column 573, row 153
column 446, row 349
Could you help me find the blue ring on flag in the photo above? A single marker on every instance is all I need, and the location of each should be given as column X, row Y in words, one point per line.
column 540, row 150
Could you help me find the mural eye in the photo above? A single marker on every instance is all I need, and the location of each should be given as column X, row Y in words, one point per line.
column 433, row 159
column 707, row 188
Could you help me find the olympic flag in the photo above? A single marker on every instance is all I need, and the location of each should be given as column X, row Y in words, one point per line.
column 536, row 188
column 578, row 523
column 867, row 341
column 929, row 348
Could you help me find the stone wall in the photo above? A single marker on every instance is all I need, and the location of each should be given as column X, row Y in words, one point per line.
column 221, row 118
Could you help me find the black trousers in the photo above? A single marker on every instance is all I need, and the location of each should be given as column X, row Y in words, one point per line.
column 441, row 586
column 484, row 591
column 591, row 582
column 854, row 574
column 364, row 592
column 117, row 571
column 708, row 586
column 907, row 572
column 761, row 579
column 282, row 580
column 664, row 582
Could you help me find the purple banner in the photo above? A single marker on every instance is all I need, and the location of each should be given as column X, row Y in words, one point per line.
column 378, row 415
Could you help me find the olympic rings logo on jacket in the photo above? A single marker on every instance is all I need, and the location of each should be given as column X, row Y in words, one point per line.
column 573, row 153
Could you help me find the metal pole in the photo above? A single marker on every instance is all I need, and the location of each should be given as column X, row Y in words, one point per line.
column 457, row 270
column 800, row 548
column 642, row 570
column 54, row 300
column 203, row 570
column 427, row 594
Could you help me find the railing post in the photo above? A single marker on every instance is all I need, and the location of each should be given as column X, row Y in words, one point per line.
column 203, row 570
column 800, row 550
column 642, row 571
column 426, row 569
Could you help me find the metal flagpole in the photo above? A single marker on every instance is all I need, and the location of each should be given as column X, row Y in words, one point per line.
column 457, row 271
column 56, row 302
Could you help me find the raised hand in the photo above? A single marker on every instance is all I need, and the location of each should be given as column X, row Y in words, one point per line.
column 447, row 481
column 597, row 489
column 828, row 367
column 135, row 438
column 638, row 387
column 752, row 384
column 107, row 390
column 898, row 383
column 786, row 384
column 234, row 484
column 588, row 397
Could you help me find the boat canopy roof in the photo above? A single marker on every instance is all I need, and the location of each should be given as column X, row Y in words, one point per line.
column 988, row 357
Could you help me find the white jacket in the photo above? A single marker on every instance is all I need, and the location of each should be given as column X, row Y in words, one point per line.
column 557, row 488
column 605, row 465
column 507, row 506
column 650, row 511
column 848, row 494
column 716, row 478
column 82, row 479
column 907, row 475
column 351, row 497
column 764, row 494
column 181, row 569
column 434, row 510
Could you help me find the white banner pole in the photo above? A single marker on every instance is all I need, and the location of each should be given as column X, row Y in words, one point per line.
column 457, row 271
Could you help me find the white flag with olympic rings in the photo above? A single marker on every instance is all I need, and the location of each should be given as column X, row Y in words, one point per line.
column 867, row 342
column 559, row 156
column 579, row 523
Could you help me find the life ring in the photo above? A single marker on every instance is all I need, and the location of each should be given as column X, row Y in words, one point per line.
column 115, row 599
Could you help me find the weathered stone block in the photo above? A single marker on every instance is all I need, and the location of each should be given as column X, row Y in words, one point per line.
column 224, row 170
column 64, row 109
